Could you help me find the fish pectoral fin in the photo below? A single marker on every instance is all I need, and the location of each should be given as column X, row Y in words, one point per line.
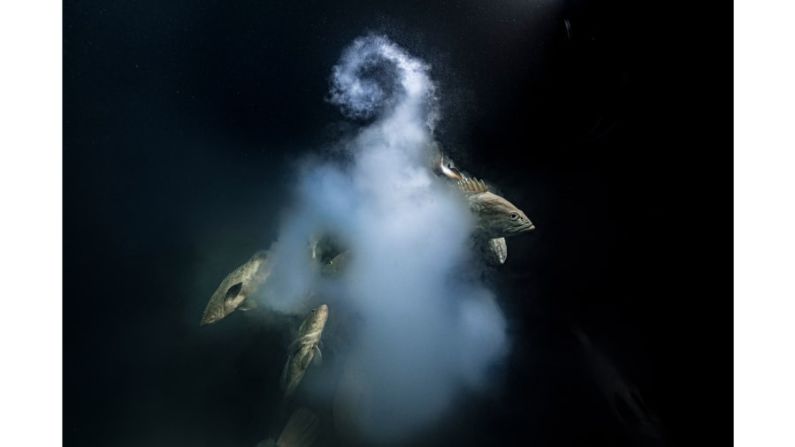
column 499, row 250
column 248, row 304
column 317, row 359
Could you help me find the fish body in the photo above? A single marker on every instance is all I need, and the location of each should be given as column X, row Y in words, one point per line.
column 301, row 431
column 304, row 349
column 237, row 289
column 496, row 216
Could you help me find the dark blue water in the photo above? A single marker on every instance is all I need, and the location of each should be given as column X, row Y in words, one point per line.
column 182, row 123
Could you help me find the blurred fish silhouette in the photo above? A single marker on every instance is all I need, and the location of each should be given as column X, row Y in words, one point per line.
column 301, row 431
column 304, row 350
column 623, row 397
column 237, row 289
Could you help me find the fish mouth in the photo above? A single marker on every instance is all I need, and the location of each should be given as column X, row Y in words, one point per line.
column 210, row 318
column 525, row 227
column 206, row 321
column 322, row 311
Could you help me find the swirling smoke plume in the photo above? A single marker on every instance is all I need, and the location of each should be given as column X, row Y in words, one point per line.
column 427, row 327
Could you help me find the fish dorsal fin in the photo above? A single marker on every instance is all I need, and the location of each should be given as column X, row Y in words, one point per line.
column 285, row 372
column 471, row 185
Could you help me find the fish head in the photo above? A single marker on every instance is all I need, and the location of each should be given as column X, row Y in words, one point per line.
column 315, row 321
column 322, row 312
column 317, row 318
column 498, row 217
column 236, row 288
column 226, row 299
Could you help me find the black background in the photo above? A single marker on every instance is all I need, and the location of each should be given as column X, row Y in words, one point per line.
column 182, row 121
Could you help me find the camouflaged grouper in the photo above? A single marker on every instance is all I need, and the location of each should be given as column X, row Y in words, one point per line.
column 497, row 218
column 304, row 350
column 237, row 290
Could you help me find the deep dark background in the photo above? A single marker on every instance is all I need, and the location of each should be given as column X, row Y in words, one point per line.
column 182, row 120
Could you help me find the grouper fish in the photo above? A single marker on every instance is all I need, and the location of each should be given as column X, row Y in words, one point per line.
column 304, row 350
column 496, row 216
column 238, row 288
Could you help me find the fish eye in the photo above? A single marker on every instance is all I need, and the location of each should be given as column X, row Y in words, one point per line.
column 514, row 216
